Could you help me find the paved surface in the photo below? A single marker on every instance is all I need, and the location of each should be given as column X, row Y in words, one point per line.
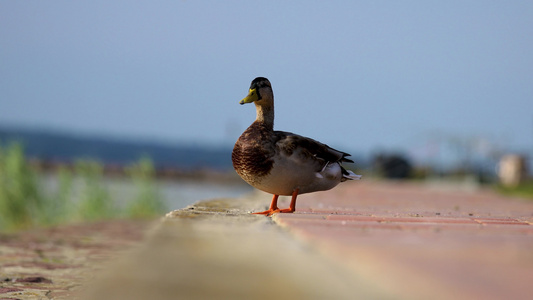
column 366, row 240
column 423, row 242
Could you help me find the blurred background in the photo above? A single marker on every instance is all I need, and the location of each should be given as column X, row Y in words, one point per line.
column 412, row 89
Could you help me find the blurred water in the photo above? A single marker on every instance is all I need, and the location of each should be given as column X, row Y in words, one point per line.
column 179, row 194
column 175, row 193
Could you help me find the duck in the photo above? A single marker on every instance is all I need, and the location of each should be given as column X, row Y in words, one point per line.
column 283, row 163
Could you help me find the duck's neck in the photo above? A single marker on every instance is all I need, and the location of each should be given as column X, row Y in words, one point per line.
column 265, row 115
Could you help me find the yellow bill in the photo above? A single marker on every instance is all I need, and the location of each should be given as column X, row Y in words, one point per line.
column 251, row 97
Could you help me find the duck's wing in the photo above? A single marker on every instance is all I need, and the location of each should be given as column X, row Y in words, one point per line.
column 307, row 150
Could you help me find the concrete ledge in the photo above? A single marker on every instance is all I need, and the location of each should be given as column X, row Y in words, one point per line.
column 217, row 250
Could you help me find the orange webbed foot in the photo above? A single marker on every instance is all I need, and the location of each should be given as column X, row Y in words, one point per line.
column 270, row 212
column 274, row 206
column 266, row 212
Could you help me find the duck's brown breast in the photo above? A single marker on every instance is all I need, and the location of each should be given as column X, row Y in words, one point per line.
column 251, row 157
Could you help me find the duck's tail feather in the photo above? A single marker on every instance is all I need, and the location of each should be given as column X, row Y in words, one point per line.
column 349, row 175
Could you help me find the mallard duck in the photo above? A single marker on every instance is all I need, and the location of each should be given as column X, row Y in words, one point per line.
column 284, row 163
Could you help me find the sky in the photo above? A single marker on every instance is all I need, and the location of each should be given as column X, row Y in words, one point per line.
column 356, row 75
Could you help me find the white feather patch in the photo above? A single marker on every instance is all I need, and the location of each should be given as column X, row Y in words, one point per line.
column 351, row 175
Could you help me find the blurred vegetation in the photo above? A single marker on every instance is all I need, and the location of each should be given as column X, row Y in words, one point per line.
column 524, row 190
column 20, row 201
column 81, row 193
column 148, row 199
column 94, row 200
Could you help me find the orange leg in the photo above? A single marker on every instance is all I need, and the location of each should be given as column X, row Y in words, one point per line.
column 274, row 206
column 292, row 206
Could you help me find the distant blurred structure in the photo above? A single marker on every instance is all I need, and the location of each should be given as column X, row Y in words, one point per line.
column 512, row 170
column 392, row 166
column 458, row 156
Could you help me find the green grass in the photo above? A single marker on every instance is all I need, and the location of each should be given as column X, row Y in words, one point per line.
column 81, row 194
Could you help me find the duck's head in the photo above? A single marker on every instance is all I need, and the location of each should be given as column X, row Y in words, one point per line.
column 260, row 90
